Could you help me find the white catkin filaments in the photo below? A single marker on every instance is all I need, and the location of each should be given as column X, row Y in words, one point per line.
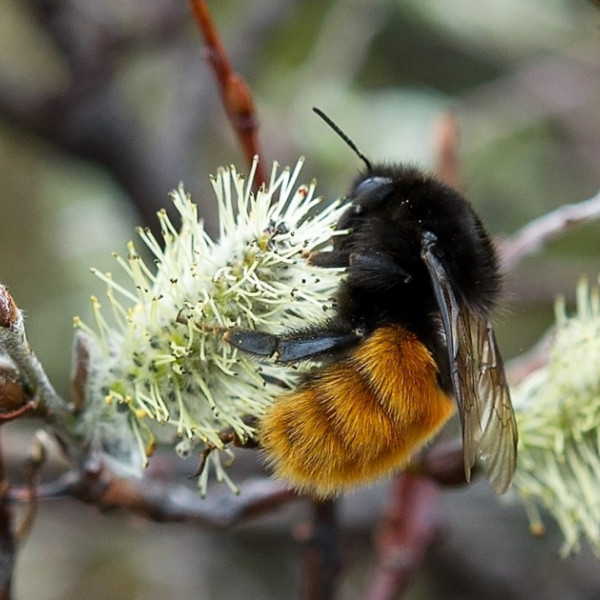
column 161, row 358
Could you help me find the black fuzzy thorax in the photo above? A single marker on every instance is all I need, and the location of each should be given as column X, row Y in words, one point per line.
column 390, row 209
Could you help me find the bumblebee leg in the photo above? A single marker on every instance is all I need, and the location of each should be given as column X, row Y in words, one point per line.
column 373, row 269
column 331, row 259
column 253, row 342
column 377, row 270
column 227, row 436
column 291, row 348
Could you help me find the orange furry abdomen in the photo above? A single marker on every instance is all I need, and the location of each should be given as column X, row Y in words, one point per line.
column 359, row 418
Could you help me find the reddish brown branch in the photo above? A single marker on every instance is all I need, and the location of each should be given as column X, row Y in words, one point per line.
column 7, row 541
column 443, row 463
column 321, row 559
column 447, row 143
column 407, row 528
column 11, row 415
column 235, row 93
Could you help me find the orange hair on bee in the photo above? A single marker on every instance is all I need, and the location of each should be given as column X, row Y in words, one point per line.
column 359, row 418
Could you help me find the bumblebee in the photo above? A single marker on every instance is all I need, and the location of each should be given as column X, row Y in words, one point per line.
column 411, row 342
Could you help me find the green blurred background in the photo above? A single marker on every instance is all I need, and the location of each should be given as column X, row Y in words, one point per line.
column 105, row 106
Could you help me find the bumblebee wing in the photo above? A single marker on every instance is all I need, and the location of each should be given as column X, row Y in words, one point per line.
column 477, row 374
column 459, row 340
column 498, row 445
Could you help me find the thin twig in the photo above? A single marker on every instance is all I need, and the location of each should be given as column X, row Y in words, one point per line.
column 13, row 342
column 322, row 555
column 42, row 400
column 7, row 541
column 536, row 234
column 235, row 93
column 406, row 530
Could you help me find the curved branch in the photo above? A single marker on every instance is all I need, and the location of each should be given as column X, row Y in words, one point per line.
column 235, row 93
column 164, row 501
column 536, row 234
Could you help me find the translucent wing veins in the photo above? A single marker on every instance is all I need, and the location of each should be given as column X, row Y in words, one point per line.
column 498, row 447
column 481, row 392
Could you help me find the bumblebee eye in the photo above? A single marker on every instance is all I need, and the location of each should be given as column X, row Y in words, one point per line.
column 370, row 184
column 370, row 193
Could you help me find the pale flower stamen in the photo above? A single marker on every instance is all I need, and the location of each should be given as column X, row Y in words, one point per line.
column 558, row 413
column 164, row 361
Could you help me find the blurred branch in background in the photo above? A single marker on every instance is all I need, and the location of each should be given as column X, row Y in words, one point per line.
column 540, row 232
column 407, row 528
column 87, row 116
column 7, row 540
column 235, row 94
column 164, row 502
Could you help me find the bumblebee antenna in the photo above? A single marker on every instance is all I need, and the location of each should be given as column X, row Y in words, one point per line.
column 344, row 137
